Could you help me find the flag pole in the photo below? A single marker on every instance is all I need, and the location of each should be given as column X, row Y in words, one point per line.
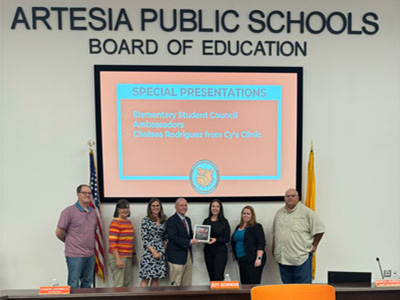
column 96, row 206
column 310, row 194
column 91, row 144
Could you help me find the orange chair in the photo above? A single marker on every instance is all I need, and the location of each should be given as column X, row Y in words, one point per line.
column 293, row 292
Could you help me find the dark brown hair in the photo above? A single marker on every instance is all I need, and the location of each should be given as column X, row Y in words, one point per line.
column 79, row 188
column 161, row 214
column 123, row 203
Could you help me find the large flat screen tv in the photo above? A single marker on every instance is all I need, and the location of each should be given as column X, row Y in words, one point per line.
column 198, row 132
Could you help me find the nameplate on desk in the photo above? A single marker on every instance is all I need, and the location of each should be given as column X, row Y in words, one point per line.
column 387, row 283
column 224, row 285
column 51, row 290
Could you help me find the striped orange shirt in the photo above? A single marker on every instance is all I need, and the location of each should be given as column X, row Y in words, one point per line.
column 120, row 237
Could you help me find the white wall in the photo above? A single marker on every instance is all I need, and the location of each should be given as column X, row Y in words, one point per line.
column 351, row 112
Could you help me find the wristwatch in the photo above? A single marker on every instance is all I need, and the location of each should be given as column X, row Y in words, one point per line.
column 259, row 257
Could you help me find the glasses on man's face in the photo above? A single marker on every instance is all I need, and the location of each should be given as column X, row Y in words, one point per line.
column 86, row 193
column 290, row 196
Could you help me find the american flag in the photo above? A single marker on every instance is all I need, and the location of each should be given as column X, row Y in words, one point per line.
column 95, row 204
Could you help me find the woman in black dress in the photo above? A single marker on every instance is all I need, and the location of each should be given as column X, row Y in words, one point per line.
column 216, row 251
column 248, row 246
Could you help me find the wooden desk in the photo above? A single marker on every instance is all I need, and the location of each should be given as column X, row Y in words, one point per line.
column 343, row 292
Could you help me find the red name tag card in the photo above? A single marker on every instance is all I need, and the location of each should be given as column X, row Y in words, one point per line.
column 387, row 283
column 51, row 290
column 224, row 285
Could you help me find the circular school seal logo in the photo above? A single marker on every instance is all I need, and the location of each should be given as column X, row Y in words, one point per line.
column 204, row 177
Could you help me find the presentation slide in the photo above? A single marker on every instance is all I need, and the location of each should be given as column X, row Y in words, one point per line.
column 198, row 132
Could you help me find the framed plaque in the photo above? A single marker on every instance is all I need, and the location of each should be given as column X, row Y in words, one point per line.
column 202, row 233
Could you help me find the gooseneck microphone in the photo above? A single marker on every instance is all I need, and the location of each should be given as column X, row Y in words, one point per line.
column 380, row 267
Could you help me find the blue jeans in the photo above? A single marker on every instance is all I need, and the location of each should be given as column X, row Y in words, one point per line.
column 297, row 274
column 80, row 270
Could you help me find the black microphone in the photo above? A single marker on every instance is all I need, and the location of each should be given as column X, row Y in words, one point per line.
column 380, row 267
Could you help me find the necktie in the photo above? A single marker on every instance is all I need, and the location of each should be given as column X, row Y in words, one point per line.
column 185, row 224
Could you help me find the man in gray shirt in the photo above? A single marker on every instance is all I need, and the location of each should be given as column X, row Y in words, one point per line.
column 76, row 228
column 296, row 231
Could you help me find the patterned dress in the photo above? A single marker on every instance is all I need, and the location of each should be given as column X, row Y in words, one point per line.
column 155, row 236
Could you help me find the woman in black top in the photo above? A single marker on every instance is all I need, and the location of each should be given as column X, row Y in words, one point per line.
column 248, row 244
column 216, row 252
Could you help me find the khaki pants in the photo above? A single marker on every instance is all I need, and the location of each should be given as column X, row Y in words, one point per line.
column 121, row 277
column 181, row 274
